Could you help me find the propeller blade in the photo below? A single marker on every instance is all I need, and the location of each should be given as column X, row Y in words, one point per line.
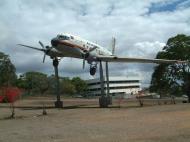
column 31, row 47
column 42, row 45
column 83, row 65
column 46, row 51
column 44, row 57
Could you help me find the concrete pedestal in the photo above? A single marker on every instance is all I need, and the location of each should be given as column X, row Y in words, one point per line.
column 104, row 101
column 58, row 104
column 110, row 100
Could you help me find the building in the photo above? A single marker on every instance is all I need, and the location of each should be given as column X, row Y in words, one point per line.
column 125, row 85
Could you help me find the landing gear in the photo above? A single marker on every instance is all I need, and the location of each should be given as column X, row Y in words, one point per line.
column 58, row 103
column 104, row 101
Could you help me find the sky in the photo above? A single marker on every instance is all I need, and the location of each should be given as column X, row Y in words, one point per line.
column 141, row 29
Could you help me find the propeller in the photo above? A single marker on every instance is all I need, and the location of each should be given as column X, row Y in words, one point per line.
column 42, row 45
column 83, row 64
column 45, row 49
column 32, row 47
column 85, row 55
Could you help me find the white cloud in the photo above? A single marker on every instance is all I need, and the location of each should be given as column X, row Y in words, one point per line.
column 148, row 49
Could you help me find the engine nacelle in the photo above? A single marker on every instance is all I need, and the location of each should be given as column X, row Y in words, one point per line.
column 93, row 70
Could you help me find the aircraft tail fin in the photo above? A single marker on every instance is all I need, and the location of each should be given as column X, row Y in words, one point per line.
column 113, row 45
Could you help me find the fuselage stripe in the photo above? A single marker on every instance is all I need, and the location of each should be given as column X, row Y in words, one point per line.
column 72, row 45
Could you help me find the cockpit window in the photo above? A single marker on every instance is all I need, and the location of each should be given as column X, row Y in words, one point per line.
column 63, row 37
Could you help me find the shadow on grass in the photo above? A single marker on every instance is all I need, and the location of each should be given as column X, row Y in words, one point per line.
column 83, row 106
column 80, row 107
column 30, row 107
column 12, row 118
column 95, row 107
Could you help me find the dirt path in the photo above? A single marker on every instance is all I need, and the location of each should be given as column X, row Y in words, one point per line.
column 134, row 124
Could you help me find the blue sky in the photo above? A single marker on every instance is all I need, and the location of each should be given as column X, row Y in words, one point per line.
column 141, row 28
column 169, row 6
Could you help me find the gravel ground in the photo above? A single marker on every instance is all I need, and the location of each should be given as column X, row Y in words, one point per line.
column 79, row 123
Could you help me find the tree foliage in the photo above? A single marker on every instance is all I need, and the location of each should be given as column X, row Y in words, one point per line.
column 34, row 82
column 173, row 78
column 66, row 87
column 80, row 85
column 7, row 71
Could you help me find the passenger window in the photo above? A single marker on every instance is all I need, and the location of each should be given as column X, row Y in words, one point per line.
column 60, row 36
column 63, row 37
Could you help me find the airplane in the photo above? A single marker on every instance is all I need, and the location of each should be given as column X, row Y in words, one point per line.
column 68, row 45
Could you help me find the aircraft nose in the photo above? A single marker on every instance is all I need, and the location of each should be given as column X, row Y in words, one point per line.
column 54, row 42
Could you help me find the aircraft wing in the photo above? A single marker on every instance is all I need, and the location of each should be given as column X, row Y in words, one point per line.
column 136, row 60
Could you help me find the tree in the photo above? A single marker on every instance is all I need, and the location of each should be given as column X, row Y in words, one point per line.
column 173, row 78
column 67, row 86
column 80, row 85
column 7, row 76
column 7, row 71
column 34, row 82
column 51, row 80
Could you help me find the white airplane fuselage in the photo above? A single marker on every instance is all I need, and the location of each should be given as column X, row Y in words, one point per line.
column 72, row 46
